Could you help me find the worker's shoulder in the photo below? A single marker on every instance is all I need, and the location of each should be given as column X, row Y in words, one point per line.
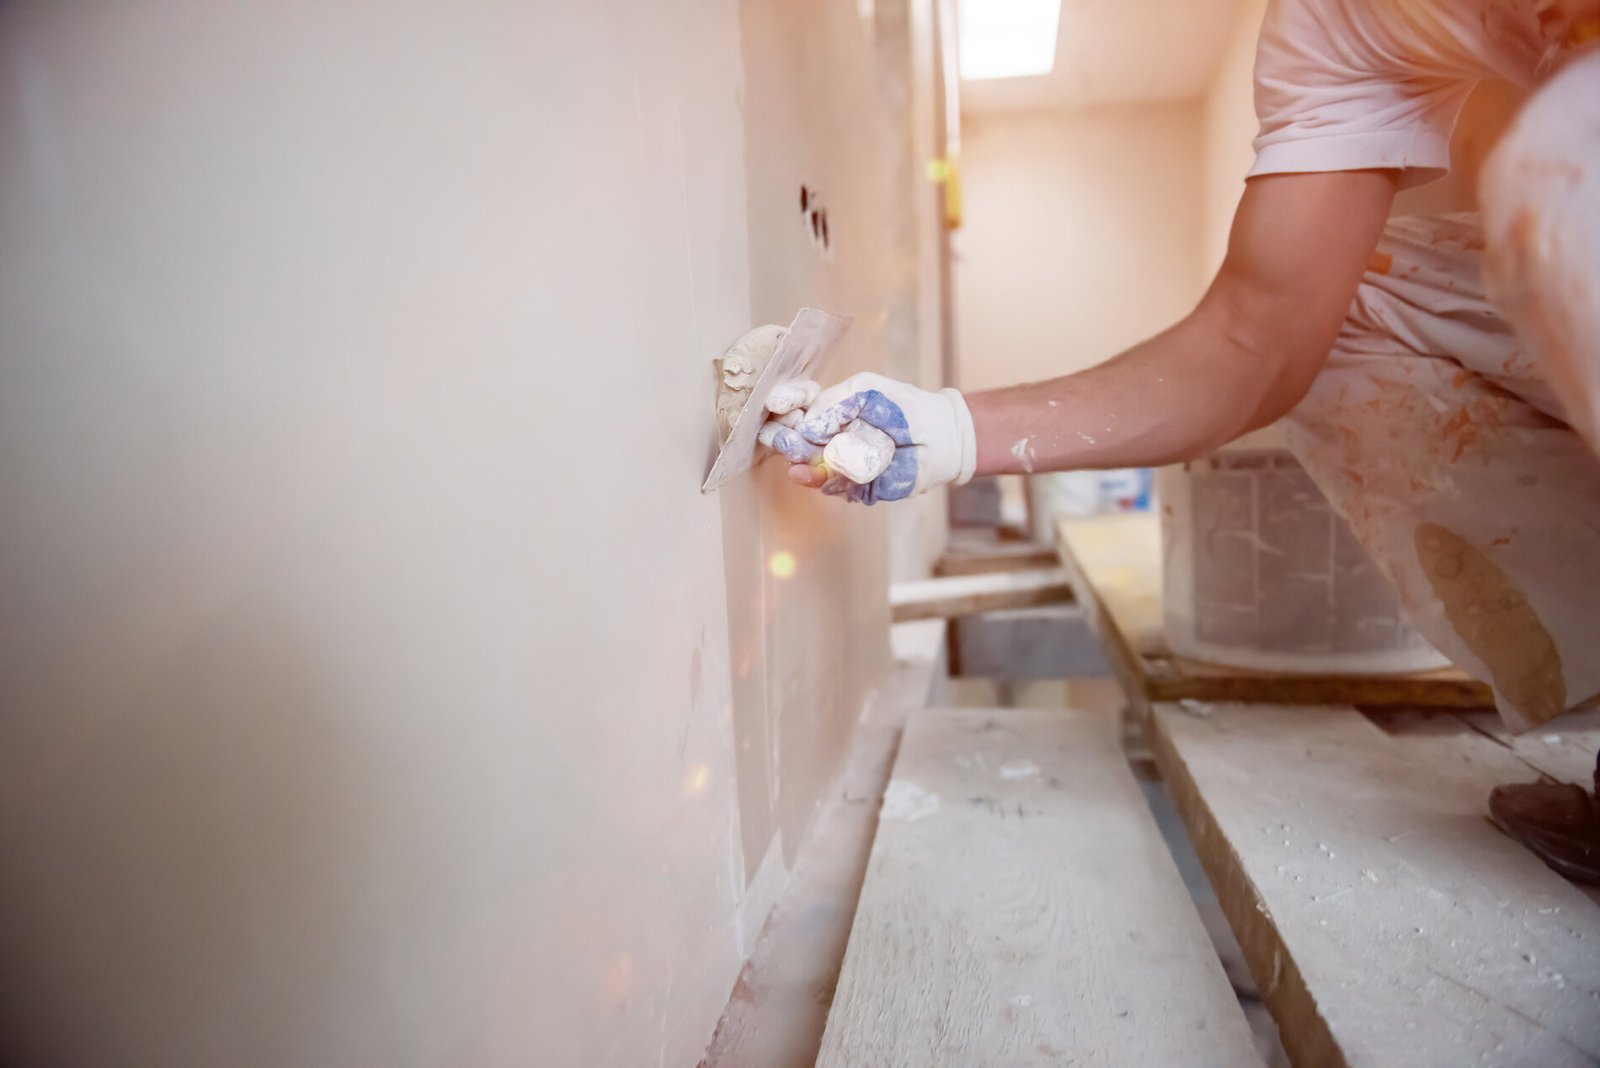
column 1421, row 42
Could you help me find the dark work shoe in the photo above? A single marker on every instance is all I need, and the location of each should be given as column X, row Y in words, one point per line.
column 1558, row 821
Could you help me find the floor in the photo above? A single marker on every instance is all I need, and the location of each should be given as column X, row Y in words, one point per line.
column 777, row 1012
column 1090, row 692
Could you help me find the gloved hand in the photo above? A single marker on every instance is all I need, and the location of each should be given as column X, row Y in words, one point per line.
column 932, row 434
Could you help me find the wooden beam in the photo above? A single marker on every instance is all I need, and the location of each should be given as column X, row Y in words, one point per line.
column 1166, row 680
column 1384, row 918
column 1021, row 907
column 966, row 594
column 1565, row 751
column 1091, row 589
column 999, row 556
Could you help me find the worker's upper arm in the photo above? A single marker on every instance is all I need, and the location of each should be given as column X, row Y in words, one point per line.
column 1299, row 246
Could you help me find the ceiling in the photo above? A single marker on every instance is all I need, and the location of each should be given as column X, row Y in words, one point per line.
column 1117, row 52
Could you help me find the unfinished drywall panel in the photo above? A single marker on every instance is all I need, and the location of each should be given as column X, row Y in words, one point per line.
column 366, row 691
column 806, row 575
column 910, row 62
column 1081, row 237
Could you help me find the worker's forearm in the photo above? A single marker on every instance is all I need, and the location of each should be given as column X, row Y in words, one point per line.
column 1179, row 395
column 1241, row 359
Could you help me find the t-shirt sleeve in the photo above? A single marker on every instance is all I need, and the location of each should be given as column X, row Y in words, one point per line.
column 1332, row 94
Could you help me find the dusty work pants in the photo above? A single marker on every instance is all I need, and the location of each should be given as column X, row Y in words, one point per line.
column 1455, row 430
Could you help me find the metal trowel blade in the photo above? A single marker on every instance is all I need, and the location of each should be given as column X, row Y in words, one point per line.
column 810, row 337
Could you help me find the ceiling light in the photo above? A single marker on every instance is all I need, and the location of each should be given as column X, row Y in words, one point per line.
column 1008, row 38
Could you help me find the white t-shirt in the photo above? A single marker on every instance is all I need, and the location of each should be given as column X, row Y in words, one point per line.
column 1346, row 85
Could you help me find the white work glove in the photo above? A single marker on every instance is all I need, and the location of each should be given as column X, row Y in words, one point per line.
column 930, row 438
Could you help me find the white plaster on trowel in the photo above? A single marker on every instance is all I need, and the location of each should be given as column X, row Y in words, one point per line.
column 905, row 800
column 738, row 369
column 1019, row 769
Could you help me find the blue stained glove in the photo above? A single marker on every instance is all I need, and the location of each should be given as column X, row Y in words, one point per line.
column 932, row 433
column 897, row 481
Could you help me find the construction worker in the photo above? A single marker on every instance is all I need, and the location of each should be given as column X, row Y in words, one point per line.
column 1439, row 377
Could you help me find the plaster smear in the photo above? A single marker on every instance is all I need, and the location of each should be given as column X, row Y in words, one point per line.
column 1023, row 451
column 1019, row 769
column 905, row 800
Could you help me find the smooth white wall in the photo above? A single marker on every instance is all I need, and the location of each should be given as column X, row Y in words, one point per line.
column 1081, row 237
column 366, row 693
column 804, row 647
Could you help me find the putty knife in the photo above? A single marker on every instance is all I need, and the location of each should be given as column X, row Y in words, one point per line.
column 810, row 337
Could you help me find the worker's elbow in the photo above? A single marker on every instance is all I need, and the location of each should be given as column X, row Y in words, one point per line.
column 1283, row 384
column 1272, row 365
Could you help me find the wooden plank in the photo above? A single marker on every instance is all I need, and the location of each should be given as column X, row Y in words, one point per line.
column 1021, row 908
column 775, row 1016
column 1114, row 566
column 998, row 556
column 1081, row 547
column 930, row 598
column 1120, row 556
column 1168, row 679
column 921, row 651
column 1384, row 918
column 1564, row 749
